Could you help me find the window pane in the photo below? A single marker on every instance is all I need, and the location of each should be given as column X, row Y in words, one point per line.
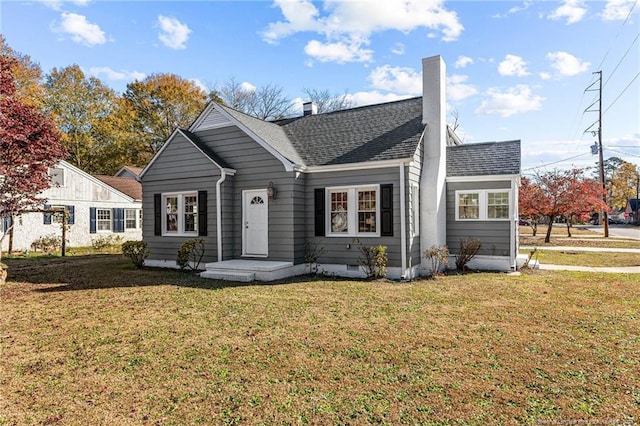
column 190, row 213
column 103, row 220
column 339, row 207
column 130, row 219
column 469, row 206
column 172, row 214
column 498, row 205
column 367, row 211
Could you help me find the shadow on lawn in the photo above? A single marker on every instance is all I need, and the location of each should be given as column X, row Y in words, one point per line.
column 54, row 274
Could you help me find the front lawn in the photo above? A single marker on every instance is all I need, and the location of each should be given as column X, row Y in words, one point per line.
column 585, row 258
column 90, row 340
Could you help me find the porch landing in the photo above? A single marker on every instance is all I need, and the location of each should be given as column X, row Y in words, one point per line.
column 246, row 270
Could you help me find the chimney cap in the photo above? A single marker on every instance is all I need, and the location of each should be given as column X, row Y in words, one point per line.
column 309, row 108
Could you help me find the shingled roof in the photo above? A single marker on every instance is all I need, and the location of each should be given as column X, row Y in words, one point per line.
column 385, row 131
column 487, row 158
column 128, row 186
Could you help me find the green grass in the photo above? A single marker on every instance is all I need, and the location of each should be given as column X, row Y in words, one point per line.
column 580, row 258
column 90, row 340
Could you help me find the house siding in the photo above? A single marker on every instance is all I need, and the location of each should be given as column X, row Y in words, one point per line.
column 255, row 169
column 335, row 248
column 413, row 178
column 180, row 168
column 495, row 235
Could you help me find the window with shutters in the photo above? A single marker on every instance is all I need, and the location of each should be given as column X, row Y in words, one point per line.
column 353, row 211
column 103, row 220
column 180, row 213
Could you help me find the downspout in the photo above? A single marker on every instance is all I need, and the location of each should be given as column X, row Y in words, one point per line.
column 223, row 176
column 403, row 226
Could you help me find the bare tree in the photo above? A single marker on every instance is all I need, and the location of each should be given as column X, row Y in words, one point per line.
column 325, row 101
column 267, row 102
column 234, row 95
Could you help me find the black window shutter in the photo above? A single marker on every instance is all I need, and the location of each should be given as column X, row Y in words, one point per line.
column 157, row 214
column 118, row 220
column 318, row 208
column 202, row 213
column 72, row 215
column 47, row 216
column 92, row 220
column 386, row 210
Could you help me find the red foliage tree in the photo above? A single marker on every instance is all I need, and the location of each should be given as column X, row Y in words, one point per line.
column 560, row 193
column 29, row 145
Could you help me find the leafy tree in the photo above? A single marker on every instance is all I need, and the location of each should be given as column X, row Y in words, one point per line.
column 560, row 193
column 528, row 194
column 325, row 101
column 29, row 143
column 158, row 105
column 622, row 185
column 26, row 75
column 78, row 105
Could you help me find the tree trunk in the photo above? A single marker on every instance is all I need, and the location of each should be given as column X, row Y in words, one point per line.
column 534, row 227
column 547, row 238
column 569, row 228
column 11, row 236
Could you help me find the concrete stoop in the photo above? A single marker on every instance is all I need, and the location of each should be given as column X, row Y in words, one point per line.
column 251, row 270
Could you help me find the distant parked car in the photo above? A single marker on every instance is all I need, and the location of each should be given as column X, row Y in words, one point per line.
column 524, row 222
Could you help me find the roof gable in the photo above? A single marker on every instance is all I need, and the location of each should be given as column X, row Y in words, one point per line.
column 481, row 159
column 90, row 178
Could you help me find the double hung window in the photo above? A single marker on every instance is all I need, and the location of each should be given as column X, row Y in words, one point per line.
column 353, row 211
column 181, row 214
column 482, row 205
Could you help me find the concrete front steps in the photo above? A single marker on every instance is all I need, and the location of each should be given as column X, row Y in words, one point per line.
column 251, row 270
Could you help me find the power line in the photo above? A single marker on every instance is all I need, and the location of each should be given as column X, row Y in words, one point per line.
column 621, row 59
column 618, row 34
column 555, row 162
column 622, row 152
column 621, row 93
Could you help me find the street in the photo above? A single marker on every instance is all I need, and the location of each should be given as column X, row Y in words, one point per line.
column 622, row 231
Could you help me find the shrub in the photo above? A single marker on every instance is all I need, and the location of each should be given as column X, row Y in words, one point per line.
column 47, row 243
column 137, row 251
column 374, row 261
column 468, row 249
column 106, row 242
column 190, row 254
column 439, row 257
column 312, row 251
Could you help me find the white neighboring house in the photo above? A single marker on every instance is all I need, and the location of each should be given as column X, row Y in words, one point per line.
column 98, row 206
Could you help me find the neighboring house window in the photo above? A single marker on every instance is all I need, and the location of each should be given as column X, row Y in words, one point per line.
column 353, row 211
column 482, row 205
column 414, row 205
column 103, row 219
column 57, row 177
column 181, row 214
column 133, row 218
column 56, row 217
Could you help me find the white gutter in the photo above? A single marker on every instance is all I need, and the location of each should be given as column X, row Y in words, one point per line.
column 223, row 176
column 403, row 225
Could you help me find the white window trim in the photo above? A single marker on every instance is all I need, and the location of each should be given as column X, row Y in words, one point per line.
column 98, row 230
column 180, row 232
column 137, row 218
column 483, row 205
column 352, row 210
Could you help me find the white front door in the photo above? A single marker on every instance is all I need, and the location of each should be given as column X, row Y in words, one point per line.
column 255, row 230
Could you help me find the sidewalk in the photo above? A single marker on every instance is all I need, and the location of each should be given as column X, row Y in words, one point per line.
column 610, row 269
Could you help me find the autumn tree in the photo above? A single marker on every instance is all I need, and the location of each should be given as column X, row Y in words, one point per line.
column 326, row 101
column 78, row 106
column 159, row 104
column 26, row 75
column 560, row 193
column 29, row 143
column 528, row 196
column 622, row 184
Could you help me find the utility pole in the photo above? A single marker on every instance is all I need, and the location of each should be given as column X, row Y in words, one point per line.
column 604, row 220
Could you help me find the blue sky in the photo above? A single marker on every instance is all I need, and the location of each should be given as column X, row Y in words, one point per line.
column 515, row 70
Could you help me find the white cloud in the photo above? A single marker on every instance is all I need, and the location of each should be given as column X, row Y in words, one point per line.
column 458, row 89
column 616, row 10
column 514, row 100
column 463, row 61
column 513, row 65
column 80, row 30
column 340, row 51
column 350, row 23
column 173, row 33
column 572, row 10
column 514, row 10
column 566, row 64
column 111, row 74
column 398, row 49
column 396, row 79
column 57, row 4
column 373, row 97
column 247, row 87
column 545, row 75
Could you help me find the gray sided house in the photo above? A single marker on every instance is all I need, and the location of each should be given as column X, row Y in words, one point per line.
column 264, row 195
